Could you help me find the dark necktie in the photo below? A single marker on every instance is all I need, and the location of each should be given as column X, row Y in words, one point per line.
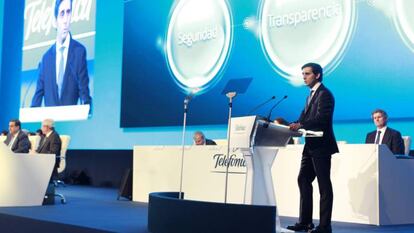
column 377, row 140
column 41, row 143
column 308, row 100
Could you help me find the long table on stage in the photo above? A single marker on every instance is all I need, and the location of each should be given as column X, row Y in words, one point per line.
column 371, row 185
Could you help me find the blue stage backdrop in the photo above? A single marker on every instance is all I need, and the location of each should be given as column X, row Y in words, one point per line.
column 174, row 47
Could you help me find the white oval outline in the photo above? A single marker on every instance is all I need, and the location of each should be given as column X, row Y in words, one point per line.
column 221, row 62
column 328, row 64
column 402, row 25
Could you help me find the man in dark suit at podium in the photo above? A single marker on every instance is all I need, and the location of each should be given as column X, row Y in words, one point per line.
column 17, row 140
column 384, row 134
column 316, row 157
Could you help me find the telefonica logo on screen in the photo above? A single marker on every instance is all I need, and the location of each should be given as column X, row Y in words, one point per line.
column 39, row 16
column 299, row 31
column 40, row 28
column 198, row 42
column 404, row 21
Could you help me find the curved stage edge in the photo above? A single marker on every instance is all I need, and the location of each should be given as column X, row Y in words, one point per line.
column 168, row 213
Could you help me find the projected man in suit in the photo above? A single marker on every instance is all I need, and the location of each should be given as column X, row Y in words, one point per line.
column 50, row 143
column 17, row 140
column 63, row 74
column 384, row 134
column 316, row 157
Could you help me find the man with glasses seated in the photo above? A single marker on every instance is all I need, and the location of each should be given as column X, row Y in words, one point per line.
column 200, row 139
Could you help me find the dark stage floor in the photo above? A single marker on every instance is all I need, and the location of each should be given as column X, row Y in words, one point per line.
column 97, row 209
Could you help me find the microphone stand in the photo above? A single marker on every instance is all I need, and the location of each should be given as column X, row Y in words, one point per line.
column 186, row 102
column 229, row 95
column 273, row 107
column 262, row 104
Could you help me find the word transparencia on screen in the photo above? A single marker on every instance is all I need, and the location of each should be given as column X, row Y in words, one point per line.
column 304, row 16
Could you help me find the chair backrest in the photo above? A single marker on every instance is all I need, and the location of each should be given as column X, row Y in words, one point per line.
column 3, row 138
column 407, row 144
column 65, row 143
column 34, row 142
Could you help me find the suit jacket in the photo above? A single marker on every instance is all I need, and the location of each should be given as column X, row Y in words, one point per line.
column 50, row 145
column 210, row 142
column 75, row 81
column 318, row 117
column 392, row 138
column 21, row 144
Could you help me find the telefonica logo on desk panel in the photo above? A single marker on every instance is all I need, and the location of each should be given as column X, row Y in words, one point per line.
column 198, row 42
column 295, row 32
column 235, row 161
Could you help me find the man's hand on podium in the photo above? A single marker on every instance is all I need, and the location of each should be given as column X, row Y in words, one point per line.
column 295, row 126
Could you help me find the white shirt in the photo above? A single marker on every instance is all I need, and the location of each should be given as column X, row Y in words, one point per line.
column 381, row 135
column 48, row 134
column 13, row 139
column 314, row 88
column 65, row 54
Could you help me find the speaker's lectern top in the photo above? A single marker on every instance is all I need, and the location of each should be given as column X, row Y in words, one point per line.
column 250, row 131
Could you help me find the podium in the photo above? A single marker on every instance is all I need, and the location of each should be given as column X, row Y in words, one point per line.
column 23, row 177
column 259, row 142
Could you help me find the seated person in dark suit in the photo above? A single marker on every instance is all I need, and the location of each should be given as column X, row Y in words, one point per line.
column 4, row 133
column 17, row 140
column 200, row 139
column 50, row 143
column 384, row 134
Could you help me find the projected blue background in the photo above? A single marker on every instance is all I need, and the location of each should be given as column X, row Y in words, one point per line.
column 374, row 71
column 375, row 66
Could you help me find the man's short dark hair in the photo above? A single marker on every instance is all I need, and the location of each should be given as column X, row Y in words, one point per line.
column 380, row 111
column 16, row 123
column 316, row 69
column 57, row 4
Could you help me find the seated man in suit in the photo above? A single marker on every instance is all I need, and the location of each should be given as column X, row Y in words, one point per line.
column 200, row 139
column 17, row 140
column 384, row 134
column 50, row 143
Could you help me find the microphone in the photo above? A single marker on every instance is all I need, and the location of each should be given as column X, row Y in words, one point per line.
column 191, row 95
column 262, row 104
column 273, row 107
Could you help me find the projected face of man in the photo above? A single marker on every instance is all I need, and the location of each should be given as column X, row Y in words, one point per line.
column 63, row 19
column 379, row 120
column 309, row 77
